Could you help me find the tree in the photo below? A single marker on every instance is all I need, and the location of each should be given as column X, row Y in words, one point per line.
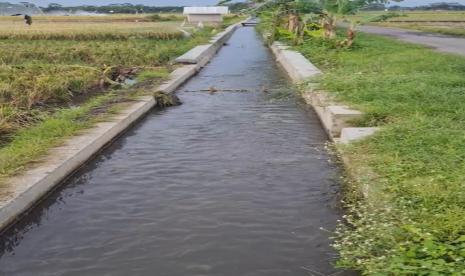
column 330, row 11
column 223, row 2
column 334, row 9
column 53, row 7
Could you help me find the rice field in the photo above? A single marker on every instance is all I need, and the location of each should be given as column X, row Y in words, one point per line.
column 47, row 66
column 416, row 15
column 87, row 28
column 450, row 28
column 442, row 22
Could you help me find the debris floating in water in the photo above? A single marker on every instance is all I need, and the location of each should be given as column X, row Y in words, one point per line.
column 165, row 100
column 213, row 89
column 264, row 89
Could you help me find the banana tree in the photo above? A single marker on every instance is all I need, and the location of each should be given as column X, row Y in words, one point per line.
column 336, row 9
column 331, row 11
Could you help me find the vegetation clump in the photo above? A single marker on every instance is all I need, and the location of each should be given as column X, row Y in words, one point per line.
column 165, row 100
column 297, row 20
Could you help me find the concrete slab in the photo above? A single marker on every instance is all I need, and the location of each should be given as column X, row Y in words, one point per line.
column 194, row 55
column 203, row 53
column 335, row 118
column 351, row 134
column 281, row 46
column 321, row 98
column 177, row 78
column 313, row 99
column 294, row 63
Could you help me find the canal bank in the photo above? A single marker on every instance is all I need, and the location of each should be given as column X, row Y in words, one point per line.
column 236, row 181
column 20, row 192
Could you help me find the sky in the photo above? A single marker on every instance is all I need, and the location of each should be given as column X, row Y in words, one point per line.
column 185, row 2
column 104, row 2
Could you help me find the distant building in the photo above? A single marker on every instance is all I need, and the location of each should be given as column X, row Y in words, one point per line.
column 205, row 14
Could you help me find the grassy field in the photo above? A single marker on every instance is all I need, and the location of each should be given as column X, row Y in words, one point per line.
column 421, row 20
column 88, row 30
column 412, row 221
column 417, row 15
column 58, row 71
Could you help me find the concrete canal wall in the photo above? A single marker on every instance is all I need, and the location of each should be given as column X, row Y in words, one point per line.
column 21, row 192
column 335, row 117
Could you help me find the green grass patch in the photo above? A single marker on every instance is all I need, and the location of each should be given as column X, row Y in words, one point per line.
column 152, row 74
column 414, row 15
column 416, row 225
column 450, row 29
column 30, row 143
column 441, row 22
column 37, row 75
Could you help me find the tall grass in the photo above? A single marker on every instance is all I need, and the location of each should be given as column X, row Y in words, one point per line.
column 88, row 30
column 79, row 36
column 52, row 62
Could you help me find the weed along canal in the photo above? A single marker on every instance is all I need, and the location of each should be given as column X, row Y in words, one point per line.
column 235, row 181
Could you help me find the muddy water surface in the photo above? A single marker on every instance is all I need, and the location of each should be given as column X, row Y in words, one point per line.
column 231, row 183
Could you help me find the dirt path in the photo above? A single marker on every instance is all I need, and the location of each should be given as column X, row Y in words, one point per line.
column 441, row 43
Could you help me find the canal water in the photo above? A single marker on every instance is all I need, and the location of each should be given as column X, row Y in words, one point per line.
column 231, row 183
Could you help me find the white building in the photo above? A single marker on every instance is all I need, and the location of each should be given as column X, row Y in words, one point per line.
column 205, row 14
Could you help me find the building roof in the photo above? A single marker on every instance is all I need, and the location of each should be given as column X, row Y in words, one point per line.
column 206, row 10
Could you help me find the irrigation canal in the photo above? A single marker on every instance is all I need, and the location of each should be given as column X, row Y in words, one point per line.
column 236, row 182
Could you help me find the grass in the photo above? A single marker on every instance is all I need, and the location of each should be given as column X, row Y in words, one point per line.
column 31, row 143
column 452, row 29
column 87, row 18
column 412, row 223
column 428, row 21
column 151, row 74
column 56, row 74
column 49, row 64
column 416, row 15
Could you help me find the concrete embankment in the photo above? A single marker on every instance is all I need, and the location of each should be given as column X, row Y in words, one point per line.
column 335, row 117
column 21, row 192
